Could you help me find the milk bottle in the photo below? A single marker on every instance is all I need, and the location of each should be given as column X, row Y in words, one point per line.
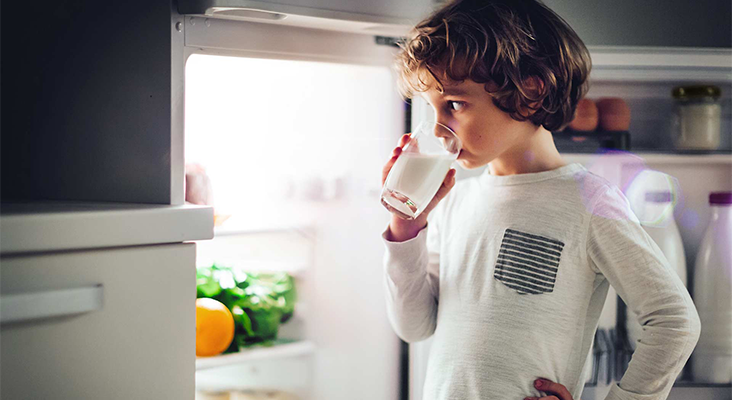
column 711, row 360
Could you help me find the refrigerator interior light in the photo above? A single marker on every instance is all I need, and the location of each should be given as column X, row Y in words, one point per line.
column 246, row 13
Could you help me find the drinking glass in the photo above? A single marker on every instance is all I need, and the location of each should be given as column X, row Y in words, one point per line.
column 420, row 169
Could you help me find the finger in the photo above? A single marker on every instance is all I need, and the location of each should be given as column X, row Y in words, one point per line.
column 407, row 138
column 404, row 139
column 447, row 184
column 557, row 389
column 387, row 168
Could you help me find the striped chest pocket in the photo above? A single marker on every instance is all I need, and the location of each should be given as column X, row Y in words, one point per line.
column 528, row 263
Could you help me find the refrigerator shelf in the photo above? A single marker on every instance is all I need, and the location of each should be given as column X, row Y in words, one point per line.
column 696, row 384
column 298, row 271
column 658, row 158
column 298, row 221
column 255, row 230
column 283, row 348
column 659, row 64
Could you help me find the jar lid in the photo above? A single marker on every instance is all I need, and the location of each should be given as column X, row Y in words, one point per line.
column 720, row 198
column 659, row 197
column 696, row 91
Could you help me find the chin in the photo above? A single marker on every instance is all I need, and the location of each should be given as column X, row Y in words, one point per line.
column 466, row 164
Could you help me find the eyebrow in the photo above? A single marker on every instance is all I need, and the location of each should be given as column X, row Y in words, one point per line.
column 451, row 91
column 454, row 92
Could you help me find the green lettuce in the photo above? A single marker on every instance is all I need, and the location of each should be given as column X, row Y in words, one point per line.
column 259, row 302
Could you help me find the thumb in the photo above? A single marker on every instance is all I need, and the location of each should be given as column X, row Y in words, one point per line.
column 447, row 184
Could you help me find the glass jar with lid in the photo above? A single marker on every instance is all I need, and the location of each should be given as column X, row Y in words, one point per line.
column 697, row 117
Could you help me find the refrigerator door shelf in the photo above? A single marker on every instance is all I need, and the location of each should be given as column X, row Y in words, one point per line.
column 282, row 348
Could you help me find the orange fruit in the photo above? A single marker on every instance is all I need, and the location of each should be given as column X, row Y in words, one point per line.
column 214, row 327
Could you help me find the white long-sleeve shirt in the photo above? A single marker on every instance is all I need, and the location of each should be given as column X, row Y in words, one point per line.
column 510, row 276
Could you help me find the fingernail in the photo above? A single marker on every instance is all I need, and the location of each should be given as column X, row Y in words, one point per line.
column 537, row 383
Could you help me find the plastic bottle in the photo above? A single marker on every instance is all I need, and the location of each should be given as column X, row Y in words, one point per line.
column 712, row 357
column 657, row 220
column 659, row 223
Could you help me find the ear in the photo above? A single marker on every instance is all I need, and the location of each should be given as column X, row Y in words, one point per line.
column 533, row 88
column 534, row 84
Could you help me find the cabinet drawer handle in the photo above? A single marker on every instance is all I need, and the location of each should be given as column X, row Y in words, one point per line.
column 55, row 303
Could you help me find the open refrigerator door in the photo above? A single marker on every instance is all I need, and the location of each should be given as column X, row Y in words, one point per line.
column 290, row 150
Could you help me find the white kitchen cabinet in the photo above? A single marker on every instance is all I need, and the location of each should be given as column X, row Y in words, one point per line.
column 97, row 299
column 140, row 344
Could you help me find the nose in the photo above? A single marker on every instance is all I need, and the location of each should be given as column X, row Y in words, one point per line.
column 448, row 137
column 443, row 130
column 443, row 118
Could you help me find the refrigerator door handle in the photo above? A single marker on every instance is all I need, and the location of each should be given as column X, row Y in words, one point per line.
column 56, row 303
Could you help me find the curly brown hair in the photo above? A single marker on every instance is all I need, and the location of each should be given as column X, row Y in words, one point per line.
column 507, row 45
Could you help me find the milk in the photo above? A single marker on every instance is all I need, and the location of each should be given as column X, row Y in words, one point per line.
column 413, row 181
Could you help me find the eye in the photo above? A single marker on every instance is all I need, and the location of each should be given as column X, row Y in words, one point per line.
column 455, row 105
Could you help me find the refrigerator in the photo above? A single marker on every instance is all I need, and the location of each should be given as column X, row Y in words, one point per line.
column 291, row 109
column 327, row 207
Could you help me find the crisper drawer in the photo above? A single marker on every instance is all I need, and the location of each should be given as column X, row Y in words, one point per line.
column 104, row 324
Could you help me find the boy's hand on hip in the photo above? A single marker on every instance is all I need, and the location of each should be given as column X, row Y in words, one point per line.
column 557, row 390
column 401, row 230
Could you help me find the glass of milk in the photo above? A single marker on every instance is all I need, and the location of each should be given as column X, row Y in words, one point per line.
column 420, row 169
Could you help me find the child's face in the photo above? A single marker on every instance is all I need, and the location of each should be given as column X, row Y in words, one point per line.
column 485, row 131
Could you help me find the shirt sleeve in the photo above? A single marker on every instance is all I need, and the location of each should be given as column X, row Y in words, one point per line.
column 619, row 249
column 412, row 283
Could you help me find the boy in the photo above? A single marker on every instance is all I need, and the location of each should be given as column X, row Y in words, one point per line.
column 512, row 270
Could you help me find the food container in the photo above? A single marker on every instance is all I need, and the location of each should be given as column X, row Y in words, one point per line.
column 697, row 118
column 614, row 114
column 585, row 116
column 206, row 395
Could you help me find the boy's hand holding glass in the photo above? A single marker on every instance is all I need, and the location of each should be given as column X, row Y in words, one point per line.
column 414, row 176
column 418, row 176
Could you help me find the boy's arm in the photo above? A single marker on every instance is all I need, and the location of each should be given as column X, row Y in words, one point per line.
column 625, row 254
column 412, row 283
